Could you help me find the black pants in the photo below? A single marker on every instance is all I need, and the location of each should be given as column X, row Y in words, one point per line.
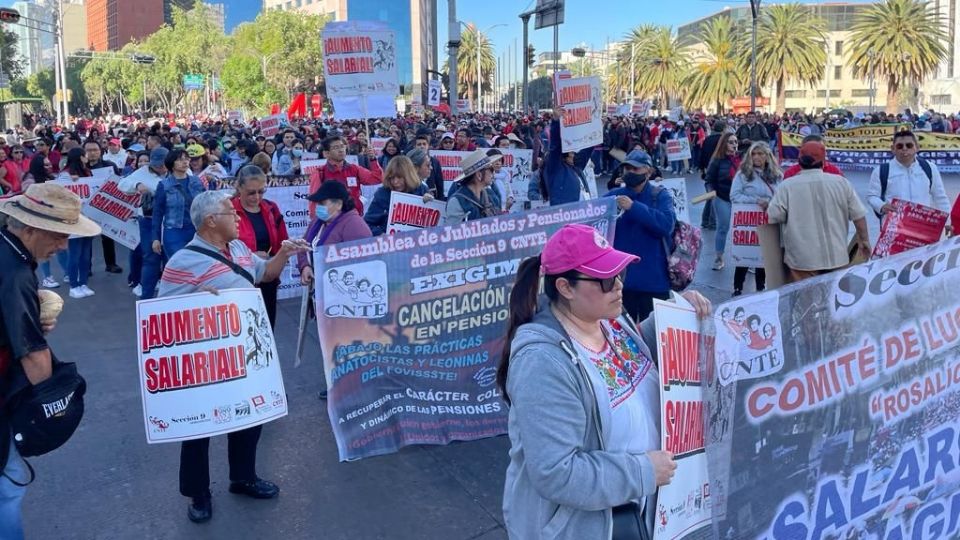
column 740, row 275
column 639, row 305
column 109, row 250
column 195, row 461
column 269, row 291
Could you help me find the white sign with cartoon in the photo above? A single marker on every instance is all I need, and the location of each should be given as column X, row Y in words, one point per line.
column 749, row 340
column 356, row 291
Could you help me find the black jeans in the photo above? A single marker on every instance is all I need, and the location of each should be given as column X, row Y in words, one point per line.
column 639, row 305
column 740, row 275
column 269, row 291
column 195, row 461
column 109, row 251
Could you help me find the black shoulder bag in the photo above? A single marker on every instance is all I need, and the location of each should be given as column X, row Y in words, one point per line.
column 239, row 270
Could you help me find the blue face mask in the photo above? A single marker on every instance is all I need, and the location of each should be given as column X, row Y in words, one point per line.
column 322, row 213
column 297, row 152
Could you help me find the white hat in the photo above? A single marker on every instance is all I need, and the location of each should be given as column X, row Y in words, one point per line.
column 475, row 162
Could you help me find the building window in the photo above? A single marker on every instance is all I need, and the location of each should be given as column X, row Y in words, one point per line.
column 823, row 93
column 940, row 99
column 860, row 92
column 837, row 72
column 838, row 48
column 795, row 94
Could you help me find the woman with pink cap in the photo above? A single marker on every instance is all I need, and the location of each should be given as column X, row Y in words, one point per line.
column 581, row 381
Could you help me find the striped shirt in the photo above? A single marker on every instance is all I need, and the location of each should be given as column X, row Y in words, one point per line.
column 188, row 270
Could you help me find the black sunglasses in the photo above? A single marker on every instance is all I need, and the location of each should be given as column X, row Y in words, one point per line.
column 606, row 284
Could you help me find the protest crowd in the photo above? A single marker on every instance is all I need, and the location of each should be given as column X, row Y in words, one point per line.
column 206, row 222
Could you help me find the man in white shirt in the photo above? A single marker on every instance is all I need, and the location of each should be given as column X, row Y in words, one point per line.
column 906, row 179
column 116, row 154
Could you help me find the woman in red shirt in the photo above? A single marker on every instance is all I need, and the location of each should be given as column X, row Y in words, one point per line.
column 262, row 227
column 9, row 173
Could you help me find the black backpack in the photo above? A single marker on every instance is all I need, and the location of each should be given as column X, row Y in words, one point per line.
column 885, row 176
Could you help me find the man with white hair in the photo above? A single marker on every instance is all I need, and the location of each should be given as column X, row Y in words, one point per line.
column 215, row 259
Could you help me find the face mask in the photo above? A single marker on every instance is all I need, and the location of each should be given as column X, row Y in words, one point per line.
column 633, row 179
column 297, row 152
column 322, row 213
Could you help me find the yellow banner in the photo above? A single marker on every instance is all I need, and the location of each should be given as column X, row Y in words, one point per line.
column 926, row 140
column 873, row 130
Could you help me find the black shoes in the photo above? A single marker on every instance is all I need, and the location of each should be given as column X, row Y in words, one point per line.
column 114, row 269
column 258, row 489
column 200, row 509
column 322, row 395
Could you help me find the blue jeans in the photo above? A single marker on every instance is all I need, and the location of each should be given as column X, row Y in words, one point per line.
column 721, row 209
column 175, row 239
column 150, row 261
column 80, row 251
column 46, row 268
column 11, row 496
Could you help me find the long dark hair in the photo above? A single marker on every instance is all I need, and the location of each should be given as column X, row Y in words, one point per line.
column 37, row 170
column 75, row 164
column 523, row 306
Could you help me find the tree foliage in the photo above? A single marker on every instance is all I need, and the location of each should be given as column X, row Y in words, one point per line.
column 470, row 40
column 790, row 48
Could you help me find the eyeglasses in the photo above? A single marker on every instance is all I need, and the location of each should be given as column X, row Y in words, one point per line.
column 233, row 214
column 18, row 151
column 606, row 284
column 901, row 146
column 251, row 193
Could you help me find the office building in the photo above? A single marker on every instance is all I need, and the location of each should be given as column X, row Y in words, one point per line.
column 942, row 91
column 414, row 21
column 216, row 13
column 74, row 25
column 168, row 6
column 35, row 46
column 111, row 24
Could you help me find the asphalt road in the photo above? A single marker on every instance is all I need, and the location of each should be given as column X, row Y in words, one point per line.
column 106, row 482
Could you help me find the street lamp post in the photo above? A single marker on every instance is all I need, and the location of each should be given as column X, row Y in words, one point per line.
column 525, row 17
column 755, row 11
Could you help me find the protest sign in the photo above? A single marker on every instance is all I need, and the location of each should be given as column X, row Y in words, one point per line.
column 869, row 146
column 270, row 125
column 360, row 68
column 235, row 116
column 410, row 353
column 433, row 93
column 518, row 164
column 464, row 106
column 678, row 191
column 377, row 144
column 85, row 187
column 116, row 213
column 849, row 427
column 745, row 219
column 581, row 125
column 207, row 365
column 678, row 149
column 683, row 505
column 611, row 110
column 409, row 213
column 908, row 226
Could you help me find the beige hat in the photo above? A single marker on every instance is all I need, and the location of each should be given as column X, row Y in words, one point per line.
column 513, row 138
column 50, row 207
column 476, row 161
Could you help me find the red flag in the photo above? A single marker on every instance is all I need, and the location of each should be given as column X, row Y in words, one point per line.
column 275, row 109
column 298, row 106
column 316, row 105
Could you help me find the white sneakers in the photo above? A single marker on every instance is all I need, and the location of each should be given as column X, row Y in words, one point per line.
column 49, row 283
column 81, row 292
column 138, row 291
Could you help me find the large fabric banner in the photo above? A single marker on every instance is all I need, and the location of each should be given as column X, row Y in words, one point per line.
column 837, row 414
column 908, row 226
column 207, row 365
column 581, row 125
column 518, row 164
column 744, row 240
column 85, row 187
column 359, row 58
column 683, row 505
column 116, row 213
column 868, row 146
column 412, row 325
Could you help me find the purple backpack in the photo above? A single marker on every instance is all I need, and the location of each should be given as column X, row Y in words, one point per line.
column 682, row 259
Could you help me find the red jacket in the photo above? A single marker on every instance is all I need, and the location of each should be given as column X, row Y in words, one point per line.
column 272, row 216
column 349, row 175
column 795, row 169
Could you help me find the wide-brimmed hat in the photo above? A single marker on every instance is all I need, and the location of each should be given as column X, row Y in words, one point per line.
column 512, row 137
column 50, row 207
column 475, row 162
column 582, row 248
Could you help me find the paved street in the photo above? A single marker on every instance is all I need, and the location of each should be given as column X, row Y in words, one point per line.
column 108, row 483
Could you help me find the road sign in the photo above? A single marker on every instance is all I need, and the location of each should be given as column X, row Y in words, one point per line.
column 433, row 93
column 192, row 82
column 549, row 13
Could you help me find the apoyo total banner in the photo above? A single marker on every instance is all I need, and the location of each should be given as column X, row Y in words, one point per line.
column 412, row 325
column 207, row 365
column 840, row 416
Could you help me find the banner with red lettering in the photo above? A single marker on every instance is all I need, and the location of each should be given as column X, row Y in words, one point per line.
column 207, row 365
column 409, row 213
column 908, row 226
column 518, row 164
column 744, row 240
column 116, row 213
column 377, row 144
column 360, row 68
column 683, row 505
column 580, row 123
column 270, row 125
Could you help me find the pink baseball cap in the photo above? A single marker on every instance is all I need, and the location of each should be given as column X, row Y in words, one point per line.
column 582, row 248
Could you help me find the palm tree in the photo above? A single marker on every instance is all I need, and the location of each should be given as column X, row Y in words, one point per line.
column 583, row 67
column 665, row 64
column 467, row 62
column 718, row 73
column 629, row 62
column 790, row 47
column 901, row 41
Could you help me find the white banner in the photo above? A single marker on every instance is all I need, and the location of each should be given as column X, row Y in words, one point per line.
column 433, row 93
column 359, row 58
column 580, row 124
column 678, row 149
column 744, row 240
column 377, row 144
column 517, row 163
column 683, row 505
column 116, row 213
column 678, row 190
column 409, row 213
column 464, row 106
column 207, row 365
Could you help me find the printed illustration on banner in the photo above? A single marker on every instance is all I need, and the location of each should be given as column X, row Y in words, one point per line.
column 357, row 291
column 749, row 343
column 259, row 339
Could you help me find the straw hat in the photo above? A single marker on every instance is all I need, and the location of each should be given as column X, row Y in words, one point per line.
column 50, row 207
column 476, row 161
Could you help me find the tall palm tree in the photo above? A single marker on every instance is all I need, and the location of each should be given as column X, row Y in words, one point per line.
column 899, row 41
column 467, row 62
column 790, row 48
column 665, row 64
column 629, row 60
column 717, row 74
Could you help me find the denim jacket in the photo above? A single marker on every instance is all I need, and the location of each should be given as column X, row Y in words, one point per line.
column 171, row 208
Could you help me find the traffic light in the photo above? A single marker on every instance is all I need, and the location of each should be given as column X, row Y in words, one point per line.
column 530, row 56
column 8, row 15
